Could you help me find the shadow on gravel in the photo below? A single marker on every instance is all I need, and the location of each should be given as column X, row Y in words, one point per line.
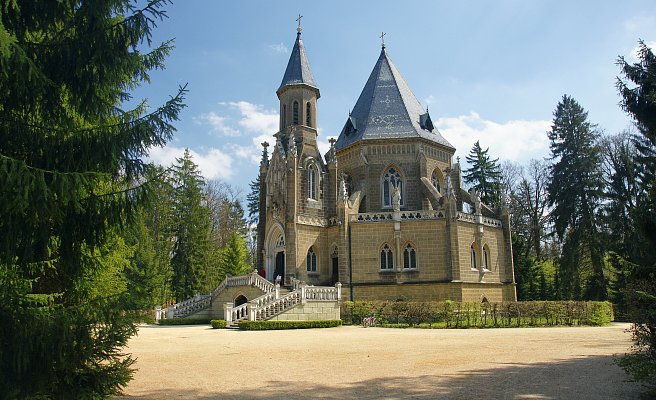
column 593, row 377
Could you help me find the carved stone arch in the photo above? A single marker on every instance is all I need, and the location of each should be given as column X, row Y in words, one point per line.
column 274, row 249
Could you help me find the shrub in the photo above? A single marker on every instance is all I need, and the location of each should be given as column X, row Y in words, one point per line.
column 276, row 325
column 479, row 315
column 185, row 321
column 218, row 323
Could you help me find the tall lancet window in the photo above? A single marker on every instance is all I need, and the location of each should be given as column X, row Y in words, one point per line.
column 308, row 114
column 435, row 179
column 284, row 116
column 391, row 179
column 312, row 182
column 295, row 113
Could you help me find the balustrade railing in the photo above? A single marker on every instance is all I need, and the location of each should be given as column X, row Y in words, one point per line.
column 192, row 305
column 389, row 216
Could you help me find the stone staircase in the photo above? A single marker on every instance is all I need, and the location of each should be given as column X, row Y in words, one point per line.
column 275, row 301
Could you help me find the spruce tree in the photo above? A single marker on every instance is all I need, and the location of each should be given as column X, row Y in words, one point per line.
column 638, row 92
column 234, row 256
column 71, row 177
column 191, row 229
column 484, row 174
column 575, row 192
column 253, row 200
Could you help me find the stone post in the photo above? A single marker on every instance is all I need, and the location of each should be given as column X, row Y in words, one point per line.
column 339, row 291
column 277, row 291
column 227, row 313
column 303, row 300
column 158, row 313
column 252, row 310
column 170, row 312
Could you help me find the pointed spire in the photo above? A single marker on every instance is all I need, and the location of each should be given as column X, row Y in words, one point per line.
column 298, row 70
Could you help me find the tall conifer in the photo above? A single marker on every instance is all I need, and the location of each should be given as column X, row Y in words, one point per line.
column 484, row 174
column 71, row 176
column 575, row 193
column 191, row 220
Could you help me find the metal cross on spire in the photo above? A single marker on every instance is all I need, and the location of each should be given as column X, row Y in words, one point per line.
column 299, row 23
column 382, row 39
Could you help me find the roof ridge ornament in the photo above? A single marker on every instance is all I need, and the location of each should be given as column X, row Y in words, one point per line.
column 298, row 29
column 382, row 39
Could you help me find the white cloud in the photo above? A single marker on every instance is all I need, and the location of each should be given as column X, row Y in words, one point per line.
column 213, row 164
column 255, row 118
column 518, row 140
column 278, row 48
column 218, row 124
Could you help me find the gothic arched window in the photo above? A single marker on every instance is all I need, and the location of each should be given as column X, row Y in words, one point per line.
column 435, row 180
column 284, row 116
column 409, row 257
column 486, row 258
column 308, row 114
column 312, row 182
column 295, row 113
column 473, row 256
column 386, row 258
column 311, row 262
column 391, row 179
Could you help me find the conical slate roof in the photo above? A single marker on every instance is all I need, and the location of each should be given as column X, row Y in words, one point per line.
column 298, row 68
column 387, row 109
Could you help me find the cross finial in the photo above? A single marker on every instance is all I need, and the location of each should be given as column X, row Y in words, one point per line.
column 299, row 23
column 382, row 39
column 332, row 141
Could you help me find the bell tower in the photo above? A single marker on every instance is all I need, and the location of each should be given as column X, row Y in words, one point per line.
column 298, row 94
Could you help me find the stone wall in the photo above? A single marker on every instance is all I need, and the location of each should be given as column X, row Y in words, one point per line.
column 311, row 311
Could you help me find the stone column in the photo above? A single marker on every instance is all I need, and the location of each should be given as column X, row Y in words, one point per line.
column 227, row 313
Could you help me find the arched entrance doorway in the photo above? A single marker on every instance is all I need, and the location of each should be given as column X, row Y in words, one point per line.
column 239, row 300
column 280, row 266
column 275, row 253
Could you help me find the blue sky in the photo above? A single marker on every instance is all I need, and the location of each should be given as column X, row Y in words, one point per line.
column 488, row 70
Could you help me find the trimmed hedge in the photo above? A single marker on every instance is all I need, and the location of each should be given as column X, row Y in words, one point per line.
column 185, row 321
column 218, row 323
column 450, row 314
column 270, row 325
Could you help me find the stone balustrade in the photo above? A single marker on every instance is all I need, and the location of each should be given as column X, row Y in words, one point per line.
column 403, row 215
column 477, row 218
column 189, row 306
column 272, row 304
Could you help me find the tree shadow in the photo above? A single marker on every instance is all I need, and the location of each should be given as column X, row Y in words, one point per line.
column 591, row 377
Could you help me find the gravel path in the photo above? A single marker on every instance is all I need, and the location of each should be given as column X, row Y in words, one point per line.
column 196, row 362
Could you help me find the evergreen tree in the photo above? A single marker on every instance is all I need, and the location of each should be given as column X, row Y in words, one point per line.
column 71, row 176
column 638, row 91
column 234, row 256
column 575, row 192
column 253, row 200
column 191, row 225
column 484, row 174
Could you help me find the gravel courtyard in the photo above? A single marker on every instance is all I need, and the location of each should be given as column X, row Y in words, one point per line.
column 196, row 362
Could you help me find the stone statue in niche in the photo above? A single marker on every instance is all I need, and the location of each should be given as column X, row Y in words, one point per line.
column 396, row 198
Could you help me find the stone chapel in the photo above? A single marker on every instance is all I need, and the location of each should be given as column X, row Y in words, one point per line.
column 383, row 211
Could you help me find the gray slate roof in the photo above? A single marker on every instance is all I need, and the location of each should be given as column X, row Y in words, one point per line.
column 387, row 109
column 298, row 68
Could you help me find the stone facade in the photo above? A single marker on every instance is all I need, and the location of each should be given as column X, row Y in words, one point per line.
column 383, row 211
